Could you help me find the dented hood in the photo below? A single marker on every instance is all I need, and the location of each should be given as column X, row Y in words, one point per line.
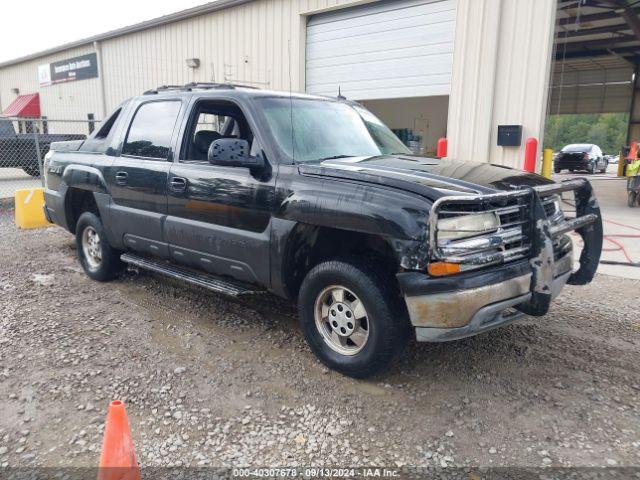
column 431, row 177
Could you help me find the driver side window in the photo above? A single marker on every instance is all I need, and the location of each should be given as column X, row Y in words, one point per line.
column 211, row 121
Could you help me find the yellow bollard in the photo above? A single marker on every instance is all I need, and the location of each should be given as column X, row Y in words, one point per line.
column 28, row 205
column 547, row 163
column 621, row 161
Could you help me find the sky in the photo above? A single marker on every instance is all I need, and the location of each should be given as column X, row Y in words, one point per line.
column 36, row 25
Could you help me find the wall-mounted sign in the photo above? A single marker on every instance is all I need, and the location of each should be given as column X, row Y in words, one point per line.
column 509, row 135
column 77, row 68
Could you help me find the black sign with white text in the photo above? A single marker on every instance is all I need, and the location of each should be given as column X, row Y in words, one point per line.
column 70, row 70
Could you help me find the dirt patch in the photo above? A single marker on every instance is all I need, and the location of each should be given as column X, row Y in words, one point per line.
column 213, row 381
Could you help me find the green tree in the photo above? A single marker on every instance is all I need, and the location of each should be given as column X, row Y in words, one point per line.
column 608, row 130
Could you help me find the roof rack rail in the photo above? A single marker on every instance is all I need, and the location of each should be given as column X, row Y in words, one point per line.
column 197, row 85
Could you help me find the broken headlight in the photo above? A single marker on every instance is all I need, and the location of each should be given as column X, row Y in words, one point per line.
column 466, row 226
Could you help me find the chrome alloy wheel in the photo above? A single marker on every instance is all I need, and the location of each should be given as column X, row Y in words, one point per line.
column 91, row 248
column 342, row 320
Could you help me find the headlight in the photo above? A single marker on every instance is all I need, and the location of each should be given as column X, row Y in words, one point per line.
column 466, row 226
column 553, row 208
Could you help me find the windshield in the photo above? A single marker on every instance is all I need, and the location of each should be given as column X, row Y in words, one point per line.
column 578, row 148
column 324, row 129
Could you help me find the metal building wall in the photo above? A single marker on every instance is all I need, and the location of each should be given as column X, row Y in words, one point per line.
column 258, row 43
column 72, row 100
column 501, row 68
column 501, row 73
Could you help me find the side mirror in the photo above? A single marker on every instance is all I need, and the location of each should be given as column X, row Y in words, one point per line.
column 232, row 152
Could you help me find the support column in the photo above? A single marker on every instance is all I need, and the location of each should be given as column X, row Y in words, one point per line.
column 633, row 130
column 103, row 104
column 501, row 75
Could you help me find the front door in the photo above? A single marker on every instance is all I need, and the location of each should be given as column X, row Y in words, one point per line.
column 138, row 177
column 219, row 218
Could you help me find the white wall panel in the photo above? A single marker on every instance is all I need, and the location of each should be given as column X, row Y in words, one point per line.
column 259, row 43
column 389, row 49
column 72, row 100
column 501, row 74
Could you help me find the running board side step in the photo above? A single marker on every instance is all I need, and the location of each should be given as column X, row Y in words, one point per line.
column 215, row 284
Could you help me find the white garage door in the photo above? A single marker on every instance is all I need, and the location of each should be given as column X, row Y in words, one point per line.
column 388, row 49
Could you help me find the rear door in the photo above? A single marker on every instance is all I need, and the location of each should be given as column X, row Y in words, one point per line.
column 219, row 218
column 138, row 176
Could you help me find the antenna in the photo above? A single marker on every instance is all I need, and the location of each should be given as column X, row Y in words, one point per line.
column 340, row 96
column 293, row 138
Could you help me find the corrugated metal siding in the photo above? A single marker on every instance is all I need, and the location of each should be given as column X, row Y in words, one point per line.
column 257, row 43
column 591, row 90
column 391, row 49
column 72, row 100
column 500, row 67
column 591, row 99
column 501, row 75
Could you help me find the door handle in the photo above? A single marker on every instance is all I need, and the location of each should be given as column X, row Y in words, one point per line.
column 178, row 184
column 121, row 178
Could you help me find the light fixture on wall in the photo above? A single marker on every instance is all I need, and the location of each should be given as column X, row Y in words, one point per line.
column 15, row 91
column 193, row 62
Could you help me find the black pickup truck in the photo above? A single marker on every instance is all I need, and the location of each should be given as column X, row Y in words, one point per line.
column 244, row 191
column 18, row 150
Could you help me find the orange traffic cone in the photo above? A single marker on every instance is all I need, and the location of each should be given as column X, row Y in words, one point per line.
column 118, row 458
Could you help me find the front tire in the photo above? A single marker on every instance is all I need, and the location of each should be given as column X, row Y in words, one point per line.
column 99, row 261
column 353, row 317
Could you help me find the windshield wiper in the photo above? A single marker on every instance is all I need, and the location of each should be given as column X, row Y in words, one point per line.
column 336, row 157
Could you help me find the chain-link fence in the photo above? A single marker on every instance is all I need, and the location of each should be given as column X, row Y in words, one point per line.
column 25, row 141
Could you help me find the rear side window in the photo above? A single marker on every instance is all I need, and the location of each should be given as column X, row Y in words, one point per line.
column 151, row 130
column 106, row 127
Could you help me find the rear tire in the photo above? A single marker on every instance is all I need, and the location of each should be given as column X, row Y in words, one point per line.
column 557, row 169
column 99, row 261
column 353, row 317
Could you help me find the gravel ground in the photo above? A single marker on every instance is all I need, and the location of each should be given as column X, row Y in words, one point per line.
column 210, row 381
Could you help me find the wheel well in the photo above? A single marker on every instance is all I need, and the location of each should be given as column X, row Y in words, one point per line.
column 309, row 246
column 76, row 203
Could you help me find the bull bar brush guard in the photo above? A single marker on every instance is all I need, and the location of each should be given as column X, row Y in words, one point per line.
column 532, row 226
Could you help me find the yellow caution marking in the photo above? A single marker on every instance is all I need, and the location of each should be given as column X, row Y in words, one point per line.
column 29, row 211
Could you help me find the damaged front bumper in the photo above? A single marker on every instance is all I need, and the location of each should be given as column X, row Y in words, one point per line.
column 508, row 287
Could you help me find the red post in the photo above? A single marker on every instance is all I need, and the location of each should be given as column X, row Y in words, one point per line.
column 443, row 146
column 530, row 154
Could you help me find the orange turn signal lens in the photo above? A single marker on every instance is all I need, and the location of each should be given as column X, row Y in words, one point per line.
column 442, row 269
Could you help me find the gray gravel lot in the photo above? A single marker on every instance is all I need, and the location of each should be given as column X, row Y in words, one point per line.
column 212, row 381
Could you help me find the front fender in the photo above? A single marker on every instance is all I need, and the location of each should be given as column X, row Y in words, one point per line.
column 399, row 217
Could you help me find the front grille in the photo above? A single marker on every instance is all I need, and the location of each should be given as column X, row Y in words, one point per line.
column 562, row 244
column 509, row 242
column 481, row 242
